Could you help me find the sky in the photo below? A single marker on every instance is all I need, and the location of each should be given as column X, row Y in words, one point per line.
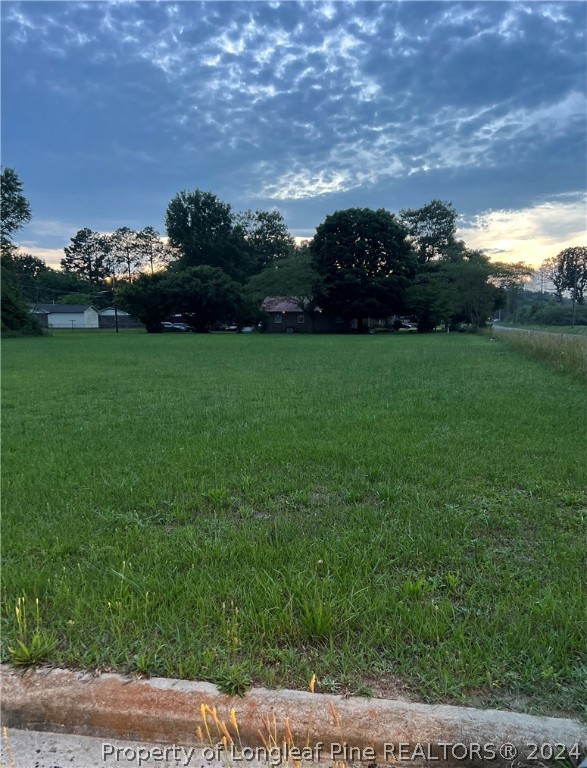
column 110, row 109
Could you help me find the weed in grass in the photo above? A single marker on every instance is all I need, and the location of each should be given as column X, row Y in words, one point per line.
column 234, row 680
column 317, row 620
column 32, row 645
column 415, row 588
column 231, row 615
column 218, row 498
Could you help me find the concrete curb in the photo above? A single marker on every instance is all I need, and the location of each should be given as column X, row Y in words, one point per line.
column 168, row 711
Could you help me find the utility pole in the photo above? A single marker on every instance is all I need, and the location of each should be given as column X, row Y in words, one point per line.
column 574, row 289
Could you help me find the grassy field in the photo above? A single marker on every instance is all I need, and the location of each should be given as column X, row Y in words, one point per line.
column 395, row 513
column 576, row 330
column 564, row 351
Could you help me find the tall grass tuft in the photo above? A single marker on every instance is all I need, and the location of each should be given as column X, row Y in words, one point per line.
column 566, row 352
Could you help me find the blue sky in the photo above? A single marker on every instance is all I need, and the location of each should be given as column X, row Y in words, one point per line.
column 109, row 109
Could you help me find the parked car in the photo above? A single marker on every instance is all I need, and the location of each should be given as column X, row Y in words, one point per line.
column 176, row 327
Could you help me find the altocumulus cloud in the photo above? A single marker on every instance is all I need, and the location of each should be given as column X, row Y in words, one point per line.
column 308, row 106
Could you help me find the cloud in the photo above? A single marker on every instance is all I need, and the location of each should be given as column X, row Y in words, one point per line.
column 530, row 234
column 51, row 256
column 318, row 104
column 52, row 227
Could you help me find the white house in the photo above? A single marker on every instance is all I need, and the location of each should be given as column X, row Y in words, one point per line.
column 66, row 315
column 110, row 317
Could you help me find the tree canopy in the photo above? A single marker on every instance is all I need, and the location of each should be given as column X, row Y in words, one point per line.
column 205, row 231
column 87, row 256
column 432, row 229
column 201, row 227
column 364, row 263
column 266, row 238
column 203, row 295
column 218, row 265
column 15, row 208
column 572, row 268
column 15, row 212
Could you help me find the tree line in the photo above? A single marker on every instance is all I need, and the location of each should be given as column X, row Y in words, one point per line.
column 215, row 265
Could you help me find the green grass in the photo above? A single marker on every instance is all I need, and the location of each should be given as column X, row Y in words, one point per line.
column 563, row 351
column 384, row 511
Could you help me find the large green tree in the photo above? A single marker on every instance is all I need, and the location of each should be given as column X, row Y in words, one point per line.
column 453, row 290
column 364, row 263
column 510, row 280
column 125, row 253
column 572, row 267
column 266, row 237
column 87, row 255
column 155, row 253
column 15, row 212
column 432, row 230
column 15, row 208
column 293, row 277
column 205, row 295
column 148, row 299
column 550, row 270
column 201, row 227
column 203, row 230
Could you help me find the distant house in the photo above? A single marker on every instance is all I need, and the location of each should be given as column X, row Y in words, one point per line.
column 289, row 315
column 66, row 315
column 107, row 319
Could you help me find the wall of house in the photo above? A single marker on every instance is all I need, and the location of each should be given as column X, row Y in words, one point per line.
column 321, row 324
column 87, row 319
column 124, row 321
column 288, row 320
column 91, row 318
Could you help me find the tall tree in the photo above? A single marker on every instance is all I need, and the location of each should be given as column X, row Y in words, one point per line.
column 293, row 278
column 15, row 210
column 432, row 229
column 155, row 253
column 509, row 280
column 16, row 318
column 205, row 295
column 202, row 228
column 454, row 289
column 148, row 299
column 125, row 252
column 551, row 271
column 87, row 256
column 364, row 262
column 266, row 237
column 572, row 266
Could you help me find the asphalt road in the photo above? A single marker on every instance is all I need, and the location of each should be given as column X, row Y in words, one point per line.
column 35, row 749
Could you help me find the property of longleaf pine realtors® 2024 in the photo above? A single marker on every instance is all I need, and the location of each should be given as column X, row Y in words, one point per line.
column 339, row 752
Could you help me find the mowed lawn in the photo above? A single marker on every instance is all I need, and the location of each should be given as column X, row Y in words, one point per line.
column 394, row 513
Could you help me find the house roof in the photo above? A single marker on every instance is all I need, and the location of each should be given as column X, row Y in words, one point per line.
column 61, row 308
column 282, row 304
column 108, row 310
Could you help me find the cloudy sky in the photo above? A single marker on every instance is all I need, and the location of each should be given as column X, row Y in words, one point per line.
column 109, row 109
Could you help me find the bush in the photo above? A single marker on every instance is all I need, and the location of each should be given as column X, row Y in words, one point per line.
column 558, row 314
column 16, row 318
